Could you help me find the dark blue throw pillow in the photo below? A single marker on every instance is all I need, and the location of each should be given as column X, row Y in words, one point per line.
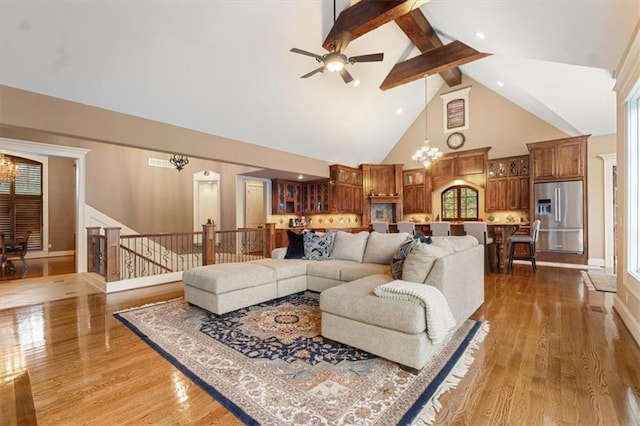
column 295, row 250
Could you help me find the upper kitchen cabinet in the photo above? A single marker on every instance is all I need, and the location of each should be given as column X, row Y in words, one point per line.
column 559, row 159
column 416, row 191
column 286, row 197
column 507, row 184
column 345, row 190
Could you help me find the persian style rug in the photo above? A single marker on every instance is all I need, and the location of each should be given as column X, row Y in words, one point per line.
column 602, row 281
column 268, row 364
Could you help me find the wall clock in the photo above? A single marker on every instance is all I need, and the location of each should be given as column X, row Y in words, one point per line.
column 455, row 140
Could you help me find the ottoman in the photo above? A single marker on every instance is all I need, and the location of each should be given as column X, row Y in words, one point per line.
column 225, row 287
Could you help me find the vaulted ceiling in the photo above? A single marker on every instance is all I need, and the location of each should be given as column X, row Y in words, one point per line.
column 224, row 67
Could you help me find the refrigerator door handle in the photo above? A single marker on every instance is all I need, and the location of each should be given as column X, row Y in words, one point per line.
column 556, row 201
column 559, row 205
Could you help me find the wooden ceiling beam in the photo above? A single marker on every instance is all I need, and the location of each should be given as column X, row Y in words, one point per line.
column 416, row 26
column 434, row 61
column 365, row 16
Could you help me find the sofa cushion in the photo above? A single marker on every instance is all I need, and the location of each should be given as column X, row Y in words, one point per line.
column 318, row 247
column 356, row 271
column 284, row 269
column 329, row 270
column 355, row 300
column 420, row 260
column 348, row 246
column 382, row 247
column 295, row 250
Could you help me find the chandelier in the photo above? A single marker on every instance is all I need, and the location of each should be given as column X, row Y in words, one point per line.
column 179, row 161
column 426, row 155
column 8, row 170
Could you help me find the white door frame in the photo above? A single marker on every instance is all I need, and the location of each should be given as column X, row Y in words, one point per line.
column 79, row 154
column 205, row 176
column 609, row 161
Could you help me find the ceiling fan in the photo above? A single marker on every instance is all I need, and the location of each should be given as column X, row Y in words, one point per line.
column 335, row 61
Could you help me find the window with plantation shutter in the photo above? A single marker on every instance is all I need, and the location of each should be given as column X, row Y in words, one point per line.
column 21, row 203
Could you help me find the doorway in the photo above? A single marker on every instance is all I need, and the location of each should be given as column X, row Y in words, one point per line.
column 253, row 204
column 206, row 199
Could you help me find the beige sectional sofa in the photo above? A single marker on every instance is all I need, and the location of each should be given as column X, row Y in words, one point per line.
column 351, row 312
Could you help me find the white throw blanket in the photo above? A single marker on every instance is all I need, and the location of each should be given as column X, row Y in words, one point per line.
column 440, row 320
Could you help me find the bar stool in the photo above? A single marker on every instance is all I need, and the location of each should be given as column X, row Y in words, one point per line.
column 440, row 229
column 530, row 241
column 381, row 227
column 408, row 227
column 479, row 231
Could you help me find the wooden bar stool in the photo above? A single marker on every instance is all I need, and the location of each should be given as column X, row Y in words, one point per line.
column 479, row 231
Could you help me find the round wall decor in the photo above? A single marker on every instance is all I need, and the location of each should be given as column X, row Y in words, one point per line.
column 455, row 140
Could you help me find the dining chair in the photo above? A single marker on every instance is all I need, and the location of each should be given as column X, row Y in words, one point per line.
column 529, row 241
column 381, row 227
column 479, row 231
column 408, row 227
column 440, row 229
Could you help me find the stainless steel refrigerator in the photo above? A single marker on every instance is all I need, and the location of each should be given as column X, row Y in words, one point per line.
column 559, row 209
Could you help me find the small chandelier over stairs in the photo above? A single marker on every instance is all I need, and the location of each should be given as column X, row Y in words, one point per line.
column 179, row 161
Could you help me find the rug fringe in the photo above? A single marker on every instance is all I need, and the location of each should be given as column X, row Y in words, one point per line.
column 428, row 414
column 135, row 308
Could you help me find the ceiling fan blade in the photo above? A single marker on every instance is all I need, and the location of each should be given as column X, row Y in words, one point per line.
column 345, row 75
column 317, row 70
column 304, row 52
column 374, row 57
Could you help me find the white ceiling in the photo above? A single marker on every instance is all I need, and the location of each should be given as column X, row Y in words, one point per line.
column 224, row 67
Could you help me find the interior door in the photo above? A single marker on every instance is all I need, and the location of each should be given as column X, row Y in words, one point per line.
column 254, row 204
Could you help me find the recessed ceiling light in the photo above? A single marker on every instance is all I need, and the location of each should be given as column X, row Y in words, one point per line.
column 356, row 83
column 300, row 177
column 480, row 35
column 399, row 111
column 501, row 84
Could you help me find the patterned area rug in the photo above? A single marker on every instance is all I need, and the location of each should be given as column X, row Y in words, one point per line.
column 602, row 281
column 268, row 364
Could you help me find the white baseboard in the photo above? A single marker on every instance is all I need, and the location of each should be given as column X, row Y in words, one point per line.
column 596, row 262
column 133, row 283
column 629, row 320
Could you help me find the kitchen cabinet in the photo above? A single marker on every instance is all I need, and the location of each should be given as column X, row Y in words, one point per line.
column 286, row 197
column 416, row 191
column 315, row 197
column 345, row 190
column 559, row 159
column 507, row 185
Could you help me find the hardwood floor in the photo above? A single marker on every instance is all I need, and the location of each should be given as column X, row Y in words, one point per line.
column 548, row 359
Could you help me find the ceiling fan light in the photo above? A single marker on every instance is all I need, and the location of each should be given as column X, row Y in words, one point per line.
column 335, row 65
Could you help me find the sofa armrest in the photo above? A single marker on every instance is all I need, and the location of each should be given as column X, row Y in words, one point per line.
column 463, row 287
column 279, row 253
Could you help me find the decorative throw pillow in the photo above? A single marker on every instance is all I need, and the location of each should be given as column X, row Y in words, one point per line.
column 398, row 260
column 318, row 247
column 420, row 260
column 295, row 250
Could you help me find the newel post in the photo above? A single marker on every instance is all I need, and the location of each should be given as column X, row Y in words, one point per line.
column 112, row 254
column 209, row 243
column 270, row 239
column 92, row 249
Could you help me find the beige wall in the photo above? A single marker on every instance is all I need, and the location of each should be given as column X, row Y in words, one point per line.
column 627, row 300
column 62, row 204
column 494, row 121
column 596, row 146
column 53, row 116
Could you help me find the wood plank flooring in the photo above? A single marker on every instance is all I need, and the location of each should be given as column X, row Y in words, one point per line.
column 549, row 359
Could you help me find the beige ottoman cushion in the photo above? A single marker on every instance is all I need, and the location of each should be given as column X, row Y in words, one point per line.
column 284, row 268
column 226, row 277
